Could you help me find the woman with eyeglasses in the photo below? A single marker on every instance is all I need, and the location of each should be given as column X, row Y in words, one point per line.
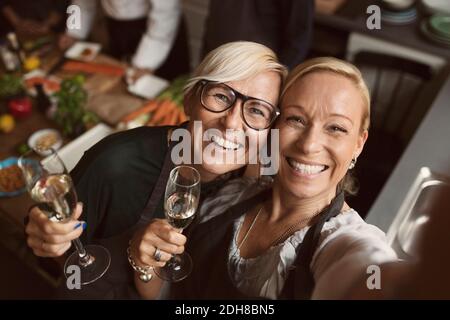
column 120, row 181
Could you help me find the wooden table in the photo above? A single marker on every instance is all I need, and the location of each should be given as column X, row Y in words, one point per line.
column 96, row 85
column 13, row 210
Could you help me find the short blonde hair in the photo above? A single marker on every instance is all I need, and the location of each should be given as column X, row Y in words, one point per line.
column 236, row 61
column 336, row 66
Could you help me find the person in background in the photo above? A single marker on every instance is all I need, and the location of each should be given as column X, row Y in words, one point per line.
column 32, row 18
column 285, row 26
column 151, row 33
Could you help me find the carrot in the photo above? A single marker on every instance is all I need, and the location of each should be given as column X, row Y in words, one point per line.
column 174, row 116
column 92, row 67
column 149, row 107
column 166, row 120
column 160, row 112
column 183, row 117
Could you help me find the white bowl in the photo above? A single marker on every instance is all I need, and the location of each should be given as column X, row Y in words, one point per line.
column 36, row 139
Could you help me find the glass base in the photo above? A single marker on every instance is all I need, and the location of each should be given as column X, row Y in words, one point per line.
column 91, row 270
column 176, row 269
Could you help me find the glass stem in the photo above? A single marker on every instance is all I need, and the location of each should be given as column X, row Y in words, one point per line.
column 84, row 257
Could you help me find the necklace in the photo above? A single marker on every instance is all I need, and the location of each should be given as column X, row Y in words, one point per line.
column 291, row 228
column 283, row 235
column 249, row 229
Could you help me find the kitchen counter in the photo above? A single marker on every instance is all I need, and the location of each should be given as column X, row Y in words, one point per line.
column 352, row 17
column 429, row 147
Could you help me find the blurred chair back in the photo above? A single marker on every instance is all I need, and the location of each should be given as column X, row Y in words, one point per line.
column 399, row 81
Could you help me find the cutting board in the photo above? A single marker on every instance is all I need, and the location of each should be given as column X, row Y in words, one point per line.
column 112, row 107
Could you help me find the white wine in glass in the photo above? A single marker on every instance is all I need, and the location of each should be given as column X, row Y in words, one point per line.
column 49, row 184
column 181, row 202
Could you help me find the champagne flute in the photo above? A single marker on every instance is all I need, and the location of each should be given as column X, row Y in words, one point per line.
column 49, row 184
column 181, row 201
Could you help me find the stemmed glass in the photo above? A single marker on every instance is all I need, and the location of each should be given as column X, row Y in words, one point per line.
column 49, row 184
column 180, row 203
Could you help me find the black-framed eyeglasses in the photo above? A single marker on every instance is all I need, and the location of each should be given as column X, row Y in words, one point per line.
column 219, row 97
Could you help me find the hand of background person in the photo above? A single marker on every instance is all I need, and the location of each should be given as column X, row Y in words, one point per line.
column 133, row 74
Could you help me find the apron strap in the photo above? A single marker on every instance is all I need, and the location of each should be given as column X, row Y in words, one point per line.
column 160, row 186
column 300, row 282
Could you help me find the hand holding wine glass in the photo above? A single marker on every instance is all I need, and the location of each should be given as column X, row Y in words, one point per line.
column 181, row 201
column 49, row 184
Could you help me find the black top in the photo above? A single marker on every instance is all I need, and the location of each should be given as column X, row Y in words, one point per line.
column 116, row 176
column 285, row 26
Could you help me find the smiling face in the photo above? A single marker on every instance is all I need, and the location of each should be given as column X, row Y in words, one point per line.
column 264, row 86
column 320, row 133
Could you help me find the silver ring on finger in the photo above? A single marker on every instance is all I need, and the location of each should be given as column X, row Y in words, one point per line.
column 157, row 254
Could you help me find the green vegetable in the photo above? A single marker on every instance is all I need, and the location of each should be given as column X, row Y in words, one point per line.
column 70, row 114
column 174, row 91
column 23, row 148
column 10, row 85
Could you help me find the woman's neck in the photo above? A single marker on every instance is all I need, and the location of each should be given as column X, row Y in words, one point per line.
column 287, row 205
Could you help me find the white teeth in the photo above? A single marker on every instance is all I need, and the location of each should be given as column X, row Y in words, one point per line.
column 305, row 168
column 225, row 143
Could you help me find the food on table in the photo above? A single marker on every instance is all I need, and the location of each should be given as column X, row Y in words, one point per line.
column 50, row 86
column 86, row 52
column 7, row 123
column 155, row 112
column 20, row 107
column 10, row 85
column 23, row 148
column 11, row 179
column 166, row 109
column 46, row 141
column 31, row 63
column 91, row 67
column 167, row 113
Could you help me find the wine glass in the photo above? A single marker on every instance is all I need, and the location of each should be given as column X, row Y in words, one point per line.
column 49, row 184
column 180, row 203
